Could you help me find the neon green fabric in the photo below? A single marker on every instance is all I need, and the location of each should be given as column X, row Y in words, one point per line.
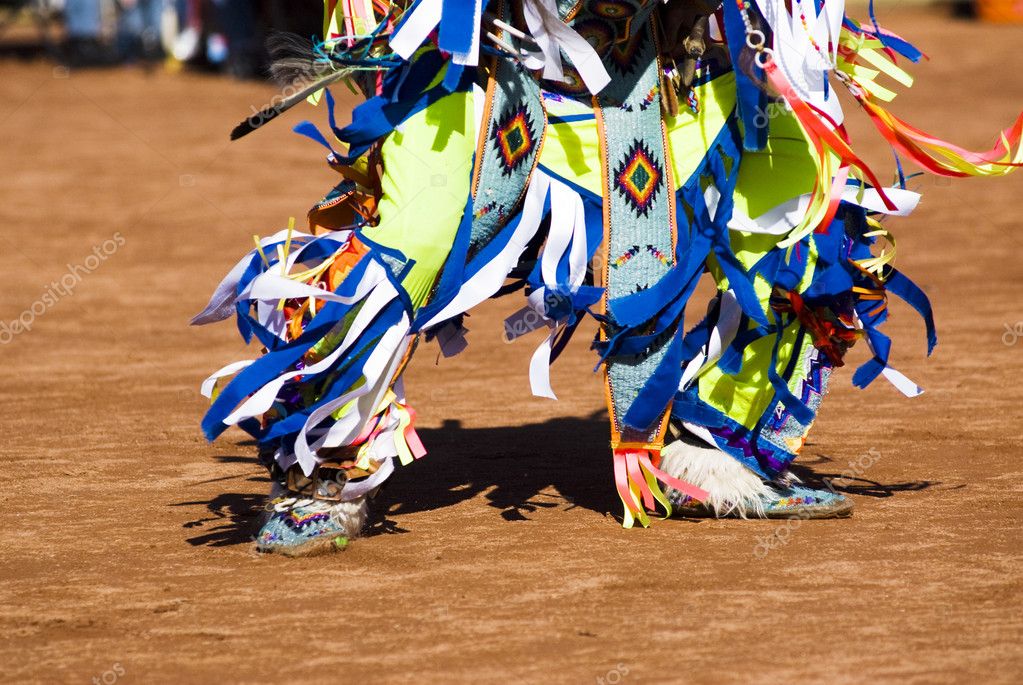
column 690, row 135
column 427, row 173
column 572, row 149
column 425, row 182
column 787, row 166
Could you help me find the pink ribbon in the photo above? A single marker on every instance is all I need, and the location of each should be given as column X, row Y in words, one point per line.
column 680, row 485
column 629, row 467
column 415, row 445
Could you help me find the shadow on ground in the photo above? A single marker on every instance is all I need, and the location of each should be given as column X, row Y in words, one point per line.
column 559, row 463
column 822, row 471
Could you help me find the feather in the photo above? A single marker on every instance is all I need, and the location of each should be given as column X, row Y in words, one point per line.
column 294, row 60
column 268, row 114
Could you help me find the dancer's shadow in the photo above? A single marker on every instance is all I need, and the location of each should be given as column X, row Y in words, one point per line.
column 561, row 463
column 822, row 471
column 231, row 516
column 518, row 469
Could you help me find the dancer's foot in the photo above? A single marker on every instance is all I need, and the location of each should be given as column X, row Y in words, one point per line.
column 736, row 492
column 307, row 527
column 792, row 502
column 305, row 517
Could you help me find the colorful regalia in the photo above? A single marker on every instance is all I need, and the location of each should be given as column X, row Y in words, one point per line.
column 599, row 157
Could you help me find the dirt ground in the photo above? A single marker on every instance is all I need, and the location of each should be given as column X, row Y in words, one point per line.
column 126, row 548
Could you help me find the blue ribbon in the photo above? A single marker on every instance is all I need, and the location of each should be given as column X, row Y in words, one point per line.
column 752, row 100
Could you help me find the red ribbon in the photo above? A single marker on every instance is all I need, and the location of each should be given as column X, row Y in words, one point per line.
column 821, row 135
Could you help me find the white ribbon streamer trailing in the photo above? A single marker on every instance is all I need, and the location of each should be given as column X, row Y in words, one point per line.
column 898, row 379
column 781, row 219
column 223, row 300
column 795, row 34
column 567, row 236
column 416, row 28
column 221, row 304
column 270, row 286
column 231, row 369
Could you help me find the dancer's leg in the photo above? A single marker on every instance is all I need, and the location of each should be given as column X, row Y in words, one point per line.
column 756, row 432
column 333, row 417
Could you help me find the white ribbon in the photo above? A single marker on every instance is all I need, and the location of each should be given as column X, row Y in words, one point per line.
column 898, row 379
column 424, row 18
column 553, row 35
column 271, row 286
column 210, row 383
column 567, row 235
column 794, row 53
column 721, row 336
column 489, row 279
column 352, row 491
column 540, row 362
column 221, row 304
column 781, row 219
column 416, row 28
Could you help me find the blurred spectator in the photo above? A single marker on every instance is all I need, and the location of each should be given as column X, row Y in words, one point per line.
column 229, row 35
column 138, row 30
column 84, row 27
column 223, row 35
column 236, row 21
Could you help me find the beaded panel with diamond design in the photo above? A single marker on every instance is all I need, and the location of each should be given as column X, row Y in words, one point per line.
column 515, row 138
column 638, row 178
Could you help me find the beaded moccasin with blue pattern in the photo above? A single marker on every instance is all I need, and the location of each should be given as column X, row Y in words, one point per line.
column 788, row 502
column 306, row 527
column 734, row 491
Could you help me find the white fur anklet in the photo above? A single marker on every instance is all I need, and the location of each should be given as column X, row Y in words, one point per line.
column 351, row 516
column 733, row 489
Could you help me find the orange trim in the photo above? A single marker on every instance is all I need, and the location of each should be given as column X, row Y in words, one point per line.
column 672, row 218
column 574, row 11
column 487, row 122
column 605, row 253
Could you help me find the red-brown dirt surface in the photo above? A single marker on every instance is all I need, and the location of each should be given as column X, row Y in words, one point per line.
column 126, row 552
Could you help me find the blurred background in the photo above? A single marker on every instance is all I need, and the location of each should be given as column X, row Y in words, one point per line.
column 227, row 36
column 214, row 35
